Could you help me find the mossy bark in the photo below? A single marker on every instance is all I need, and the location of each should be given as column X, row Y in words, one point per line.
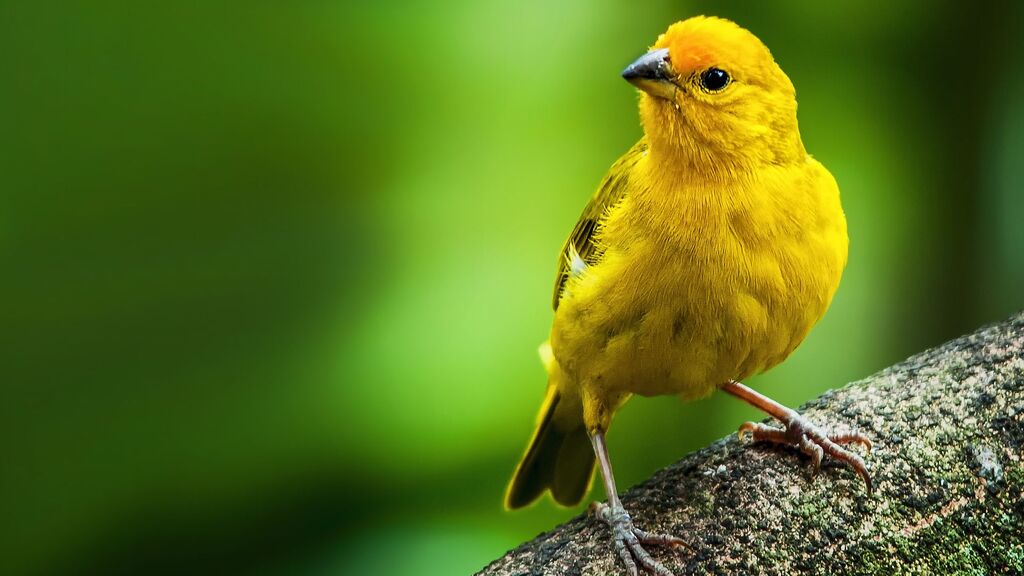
column 948, row 426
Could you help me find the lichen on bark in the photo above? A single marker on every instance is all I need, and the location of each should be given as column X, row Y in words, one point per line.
column 948, row 426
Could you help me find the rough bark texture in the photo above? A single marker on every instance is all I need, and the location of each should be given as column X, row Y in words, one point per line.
column 948, row 426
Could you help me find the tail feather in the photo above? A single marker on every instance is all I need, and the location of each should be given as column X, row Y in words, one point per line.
column 574, row 469
column 559, row 459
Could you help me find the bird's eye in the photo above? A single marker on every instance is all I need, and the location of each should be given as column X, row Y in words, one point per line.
column 714, row 79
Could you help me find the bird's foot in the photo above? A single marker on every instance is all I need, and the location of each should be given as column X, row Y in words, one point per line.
column 629, row 540
column 812, row 441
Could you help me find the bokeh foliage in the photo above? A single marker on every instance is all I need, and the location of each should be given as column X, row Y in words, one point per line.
column 274, row 273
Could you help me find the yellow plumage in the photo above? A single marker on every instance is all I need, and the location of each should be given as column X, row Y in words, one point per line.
column 709, row 251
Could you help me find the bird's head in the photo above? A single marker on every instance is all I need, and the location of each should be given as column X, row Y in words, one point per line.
column 714, row 98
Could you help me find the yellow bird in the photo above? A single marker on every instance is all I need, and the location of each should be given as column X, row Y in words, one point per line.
column 707, row 254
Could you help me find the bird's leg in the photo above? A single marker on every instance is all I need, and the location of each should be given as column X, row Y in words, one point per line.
column 627, row 539
column 800, row 432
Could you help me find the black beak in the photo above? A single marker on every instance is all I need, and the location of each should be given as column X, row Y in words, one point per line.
column 651, row 66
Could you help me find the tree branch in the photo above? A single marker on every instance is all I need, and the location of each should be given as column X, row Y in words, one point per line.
column 948, row 426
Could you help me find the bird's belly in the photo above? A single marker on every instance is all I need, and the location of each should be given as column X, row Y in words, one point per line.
column 691, row 349
column 665, row 330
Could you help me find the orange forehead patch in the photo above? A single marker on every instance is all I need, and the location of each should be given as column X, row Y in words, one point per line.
column 701, row 42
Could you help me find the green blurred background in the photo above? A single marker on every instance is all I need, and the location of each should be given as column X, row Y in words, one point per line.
column 274, row 274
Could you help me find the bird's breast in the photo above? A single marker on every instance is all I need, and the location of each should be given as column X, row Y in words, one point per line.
column 681, row 304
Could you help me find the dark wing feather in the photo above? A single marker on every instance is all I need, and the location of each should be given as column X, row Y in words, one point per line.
column 612, row 190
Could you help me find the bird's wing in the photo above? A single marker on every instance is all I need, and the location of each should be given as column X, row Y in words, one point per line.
column 580, row 250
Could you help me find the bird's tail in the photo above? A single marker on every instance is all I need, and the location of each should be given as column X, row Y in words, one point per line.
column 559, row 458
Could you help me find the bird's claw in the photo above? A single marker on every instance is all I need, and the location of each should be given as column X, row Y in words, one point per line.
column 629, row 540
column 811, row 440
